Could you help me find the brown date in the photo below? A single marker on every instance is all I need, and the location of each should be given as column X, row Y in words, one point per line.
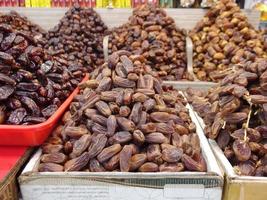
column 125, row 156
column 54, row 158
column 108, row 152
column 31, row 78
column 149, row 167
column 160, row 48
column 112, row 129
column 50, row 167
column 78, row 163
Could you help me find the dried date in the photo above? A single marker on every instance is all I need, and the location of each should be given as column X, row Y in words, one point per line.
column 29, row 76
column 161, row 48
column 78, row 163
column 50, row 167
column 124, row 129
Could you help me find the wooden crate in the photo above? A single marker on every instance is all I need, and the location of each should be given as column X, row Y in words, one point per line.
column 8, row 186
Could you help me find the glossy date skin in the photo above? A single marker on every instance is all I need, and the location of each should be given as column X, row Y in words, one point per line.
column 235, row 115
column 77, row 39
column 22, row 24
column 222, row 39
column 152, row 35
column 112, row 126
column 32, row 83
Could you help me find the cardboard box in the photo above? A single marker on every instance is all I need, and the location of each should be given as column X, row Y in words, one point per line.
column 121, row 185
column 237, row 187
column 11, row 161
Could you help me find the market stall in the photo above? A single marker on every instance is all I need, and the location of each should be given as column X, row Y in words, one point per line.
column 133, row 103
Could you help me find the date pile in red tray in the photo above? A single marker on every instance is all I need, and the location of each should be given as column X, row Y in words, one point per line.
column 33, row 135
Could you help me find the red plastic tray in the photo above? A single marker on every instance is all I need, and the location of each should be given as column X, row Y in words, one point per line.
column 9, row 157
column 34, row 135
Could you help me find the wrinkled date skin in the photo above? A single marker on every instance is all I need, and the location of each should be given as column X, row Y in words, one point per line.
column 78, row 38
column 153, row 36
column 235, row 116
column 21, row 23
column 33, row 84
column 111, row 129
column 223, row 38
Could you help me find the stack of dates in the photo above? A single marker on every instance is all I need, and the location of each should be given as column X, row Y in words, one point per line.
column 124, row 120
column 21, row 23
column 78, row 38
column 235, row 115
column 222, row 39
column 32, row 86
column 154, row 35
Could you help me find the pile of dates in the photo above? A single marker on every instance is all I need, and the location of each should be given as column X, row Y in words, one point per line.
column 124, row 120
column 222, row 39
column 21, row 23
column 235, row 115
column 78, row 38
column 151, row 33
column 32, row 85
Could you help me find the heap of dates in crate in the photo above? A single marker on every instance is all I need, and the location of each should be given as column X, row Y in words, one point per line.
column 235, row 115
column 124, row 120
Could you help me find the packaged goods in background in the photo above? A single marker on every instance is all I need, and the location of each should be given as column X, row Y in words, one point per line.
column 208, row 3
column 22, row 3
column 7, row 3
column 67, row 3
column 187, row 3
column 78, row 38
column 136, row 3
column 14, row 3
column 54, row 3
column 153, row 35
column 61, row 3
column 166, row 3
column 80, row 2
column 93, row 3
column 124, row 120
column 222, row 39
column 102, row 3
column 47, row 3
column 89, row 3
column 235, row 116
column 127, row 4
column 27, row 3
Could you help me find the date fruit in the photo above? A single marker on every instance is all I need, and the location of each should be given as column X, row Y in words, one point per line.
column 153, row 38
column 222, row 39
column 235, row 116
column 117, row 128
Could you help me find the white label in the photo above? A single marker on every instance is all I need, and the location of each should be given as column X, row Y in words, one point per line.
column 118, row 192
column 50, row 192
column 184, row 191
